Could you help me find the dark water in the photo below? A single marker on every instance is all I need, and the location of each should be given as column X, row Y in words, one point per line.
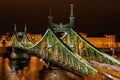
column 31, row 70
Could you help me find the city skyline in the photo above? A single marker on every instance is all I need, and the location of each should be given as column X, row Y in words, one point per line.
column 90, row 16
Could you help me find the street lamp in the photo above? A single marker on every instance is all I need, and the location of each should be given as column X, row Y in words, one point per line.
column 113, row 51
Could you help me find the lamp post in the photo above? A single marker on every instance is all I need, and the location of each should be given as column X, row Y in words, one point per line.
column 113, row 51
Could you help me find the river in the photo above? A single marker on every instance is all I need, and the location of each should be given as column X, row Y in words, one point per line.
column 31, row 70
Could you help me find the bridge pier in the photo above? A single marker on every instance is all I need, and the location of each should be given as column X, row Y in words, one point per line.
column 18, row 54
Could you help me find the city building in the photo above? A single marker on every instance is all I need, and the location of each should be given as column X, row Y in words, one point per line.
column 34, row 37
column 105, row 41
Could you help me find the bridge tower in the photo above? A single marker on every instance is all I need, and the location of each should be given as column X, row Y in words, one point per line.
column 62, row 28
column 25, row 29
column 15, row 30
column 71, row 16
column 50, row 17
column 20, row 34
column 20, row 38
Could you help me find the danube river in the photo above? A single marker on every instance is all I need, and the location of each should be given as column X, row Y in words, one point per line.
column 31, row 70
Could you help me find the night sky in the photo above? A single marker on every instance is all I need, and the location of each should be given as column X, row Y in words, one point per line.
column 91, row 16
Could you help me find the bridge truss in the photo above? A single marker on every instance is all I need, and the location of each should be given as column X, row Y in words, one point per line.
column 24, row 42
column 68, row 50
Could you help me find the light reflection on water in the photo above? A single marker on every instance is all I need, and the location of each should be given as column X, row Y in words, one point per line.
column 33, row 70
column 14, row 70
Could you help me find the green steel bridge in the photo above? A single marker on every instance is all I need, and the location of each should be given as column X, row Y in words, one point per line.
column 62, row 46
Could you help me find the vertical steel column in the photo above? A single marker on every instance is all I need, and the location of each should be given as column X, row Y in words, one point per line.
column 71, row 39
column 49, row 40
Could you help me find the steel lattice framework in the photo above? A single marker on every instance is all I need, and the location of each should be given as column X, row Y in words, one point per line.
column 25, row 42
column 68, row 50
column 52, row 49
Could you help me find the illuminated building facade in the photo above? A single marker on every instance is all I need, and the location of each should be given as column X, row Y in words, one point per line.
column 106, row 41
column 34, row 37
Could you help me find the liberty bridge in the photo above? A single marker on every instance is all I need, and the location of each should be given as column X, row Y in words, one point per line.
column 62, row 46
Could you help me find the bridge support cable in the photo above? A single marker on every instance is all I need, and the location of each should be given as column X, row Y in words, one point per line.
column 26, row 40
column 87, row 51
column 60, row 55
